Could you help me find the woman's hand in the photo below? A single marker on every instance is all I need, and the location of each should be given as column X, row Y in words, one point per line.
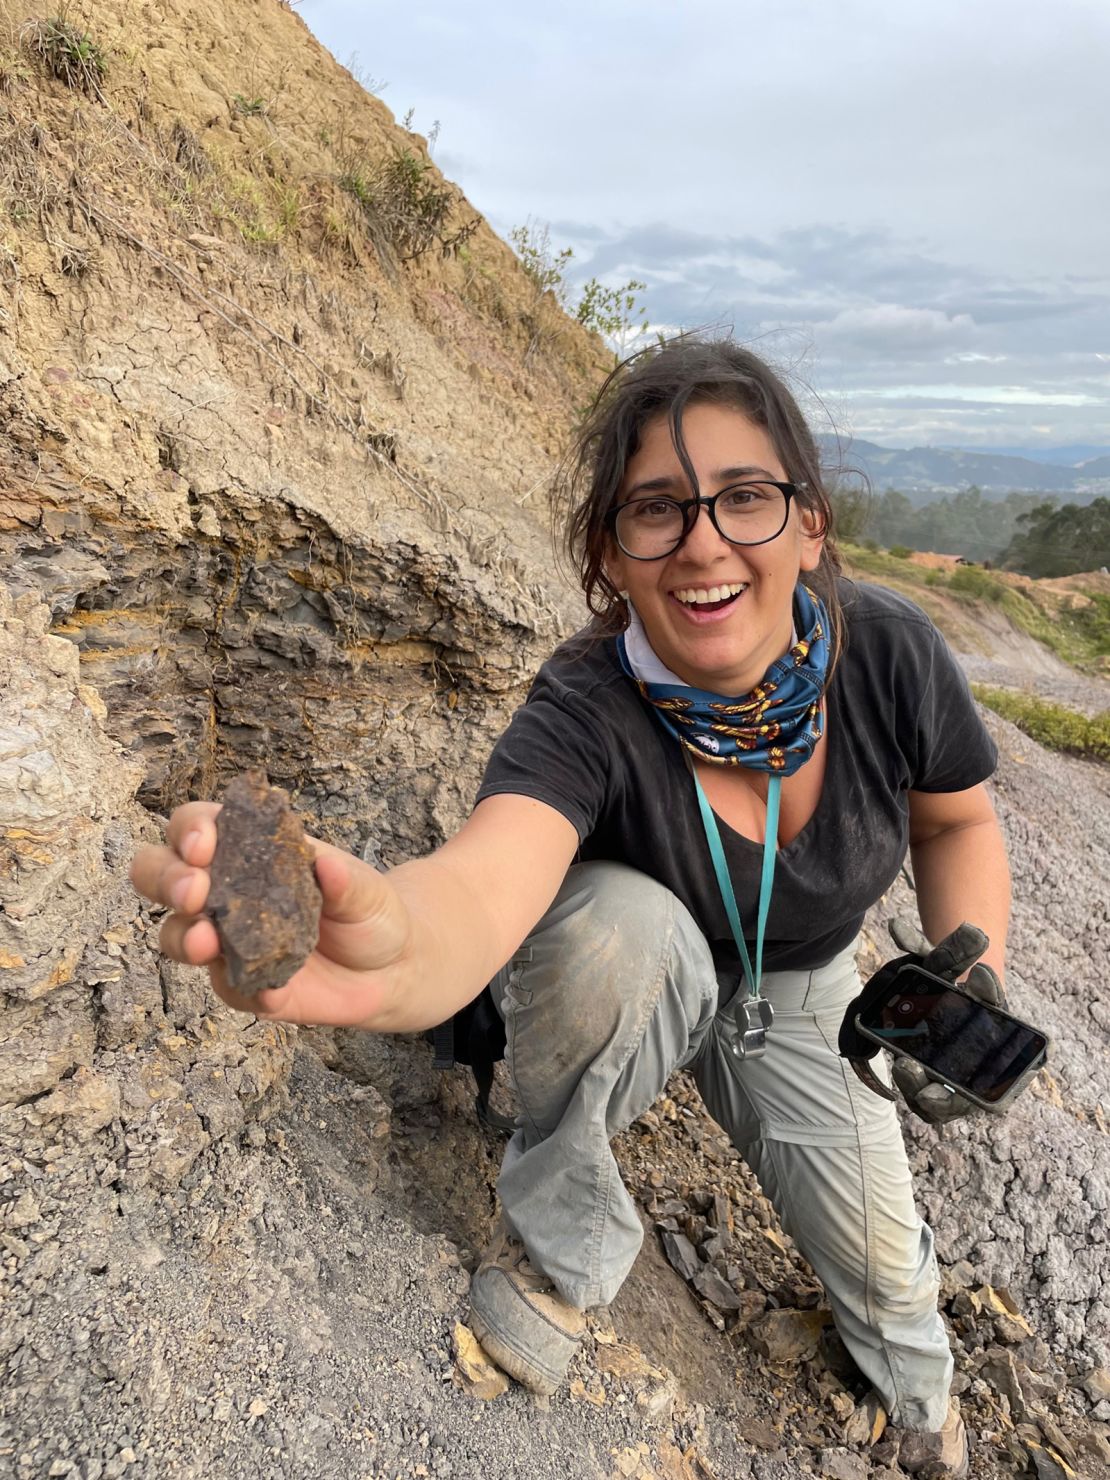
column 361, row 954
column 956, row 959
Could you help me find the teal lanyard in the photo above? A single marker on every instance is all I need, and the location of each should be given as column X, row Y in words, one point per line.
column 724, row 883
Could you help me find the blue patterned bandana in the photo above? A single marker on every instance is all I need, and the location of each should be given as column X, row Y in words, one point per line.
column 776, row 726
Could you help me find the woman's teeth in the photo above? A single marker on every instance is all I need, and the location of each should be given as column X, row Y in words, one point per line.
column 715, row 593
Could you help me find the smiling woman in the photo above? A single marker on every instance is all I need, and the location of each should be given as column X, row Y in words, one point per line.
column 746, row 536
column 635, row 443
column 721, row 773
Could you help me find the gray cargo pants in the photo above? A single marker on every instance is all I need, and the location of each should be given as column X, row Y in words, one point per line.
column 614, row 990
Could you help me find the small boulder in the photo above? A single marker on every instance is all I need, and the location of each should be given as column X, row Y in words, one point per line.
column 789, row 1335
column 841, row 1464
column 681, row 1254
column 716, row 1289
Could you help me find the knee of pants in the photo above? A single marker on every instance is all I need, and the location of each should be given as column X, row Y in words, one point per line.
column 592, row 970
column 905, row 1283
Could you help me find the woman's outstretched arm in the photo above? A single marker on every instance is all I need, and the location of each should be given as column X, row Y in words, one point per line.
column 397, row 952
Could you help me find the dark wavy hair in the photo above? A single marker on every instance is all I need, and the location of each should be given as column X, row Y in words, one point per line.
column 665, row 380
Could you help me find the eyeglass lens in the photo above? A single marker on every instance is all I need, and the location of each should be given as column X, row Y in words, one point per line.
column 748, row 514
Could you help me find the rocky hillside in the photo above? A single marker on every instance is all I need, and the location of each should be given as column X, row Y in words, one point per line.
column 276, row 410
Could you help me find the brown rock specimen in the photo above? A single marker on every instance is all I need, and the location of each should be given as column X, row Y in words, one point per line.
column 264, row 899
column 476, row 1373
column 789, row 1335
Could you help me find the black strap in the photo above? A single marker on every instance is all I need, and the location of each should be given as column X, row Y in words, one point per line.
column 443, row 1045
column 492, row 1119
column 475, row 1036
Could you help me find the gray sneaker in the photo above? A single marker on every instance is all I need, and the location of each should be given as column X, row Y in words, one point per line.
column 520, row 1318
column 946, row 1448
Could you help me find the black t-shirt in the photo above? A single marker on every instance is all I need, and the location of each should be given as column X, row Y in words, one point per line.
column 900, row 718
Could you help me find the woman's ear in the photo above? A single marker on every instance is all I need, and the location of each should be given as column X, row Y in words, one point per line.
column 813, row 527
column 614, row 570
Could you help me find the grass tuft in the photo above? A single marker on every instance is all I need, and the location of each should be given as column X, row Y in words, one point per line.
column 1050, row 725
column 68, row 54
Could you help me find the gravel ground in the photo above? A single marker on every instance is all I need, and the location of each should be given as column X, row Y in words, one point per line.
column 289, row 1308
column 1089, row 694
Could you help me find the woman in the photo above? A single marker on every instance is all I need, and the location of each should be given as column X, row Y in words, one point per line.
column 732, row 694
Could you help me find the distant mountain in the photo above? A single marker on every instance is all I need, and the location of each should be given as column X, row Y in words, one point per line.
column 1063, row 457
column 926, row 473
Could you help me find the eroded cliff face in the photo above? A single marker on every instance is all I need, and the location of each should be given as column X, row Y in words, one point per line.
column 276, row 479
column 270, row 494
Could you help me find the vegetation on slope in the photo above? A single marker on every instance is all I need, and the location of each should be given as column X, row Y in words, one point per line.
column 1052, row 541
column 1051, row 725
column 1075, row 624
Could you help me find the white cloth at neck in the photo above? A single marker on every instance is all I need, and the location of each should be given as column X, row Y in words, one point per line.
column 641, row 655
column 642, row 658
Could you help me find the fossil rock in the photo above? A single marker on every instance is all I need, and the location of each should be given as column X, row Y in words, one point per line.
column 264, row 900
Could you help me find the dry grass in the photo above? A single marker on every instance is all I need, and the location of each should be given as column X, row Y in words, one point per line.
column 67, row 53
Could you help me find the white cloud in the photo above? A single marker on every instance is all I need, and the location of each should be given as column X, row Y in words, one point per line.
column 992, row 395
column 893, row 323
column 973, row 357
column 746, row 162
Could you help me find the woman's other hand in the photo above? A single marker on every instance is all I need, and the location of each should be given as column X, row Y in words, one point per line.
column 365, row 930
column 958, row 953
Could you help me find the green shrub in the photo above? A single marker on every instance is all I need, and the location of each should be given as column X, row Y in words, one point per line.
column 615, row 314
column 1090, row 623
column 1050, row 725
column 68, row 54
column 544, row 265
column 901, row 552
column 406, row 203
column 979, row 585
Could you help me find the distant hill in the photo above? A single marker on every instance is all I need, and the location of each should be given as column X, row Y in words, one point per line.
column 925, row 473
column 1063, row 457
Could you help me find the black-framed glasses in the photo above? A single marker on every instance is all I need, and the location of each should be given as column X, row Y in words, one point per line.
column 749, row 513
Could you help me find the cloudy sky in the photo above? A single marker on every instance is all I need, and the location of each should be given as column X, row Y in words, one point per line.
column 907, row 204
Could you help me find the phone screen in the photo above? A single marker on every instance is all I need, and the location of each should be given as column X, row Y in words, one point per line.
column 970, row 1046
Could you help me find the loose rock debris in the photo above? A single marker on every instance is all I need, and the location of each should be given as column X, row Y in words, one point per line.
column 1019, row 1402
column 480, row 1377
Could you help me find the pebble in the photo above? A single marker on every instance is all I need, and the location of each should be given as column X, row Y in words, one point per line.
column 841, row 1464
column 680, row 1253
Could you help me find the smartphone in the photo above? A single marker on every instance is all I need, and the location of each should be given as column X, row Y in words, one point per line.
column 983, row 1052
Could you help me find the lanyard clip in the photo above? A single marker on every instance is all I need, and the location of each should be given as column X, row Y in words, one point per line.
column 753, row 1018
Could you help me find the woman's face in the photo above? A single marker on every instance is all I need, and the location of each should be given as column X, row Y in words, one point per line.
column 726, row 648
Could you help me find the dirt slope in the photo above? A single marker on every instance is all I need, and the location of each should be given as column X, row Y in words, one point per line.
column 268, row 494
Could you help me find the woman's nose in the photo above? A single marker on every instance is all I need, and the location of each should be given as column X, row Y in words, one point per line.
column 704, row 541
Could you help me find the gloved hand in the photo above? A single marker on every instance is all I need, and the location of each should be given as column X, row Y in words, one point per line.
column 950, row 958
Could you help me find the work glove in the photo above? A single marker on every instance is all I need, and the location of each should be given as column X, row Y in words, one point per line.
column 950, row 958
